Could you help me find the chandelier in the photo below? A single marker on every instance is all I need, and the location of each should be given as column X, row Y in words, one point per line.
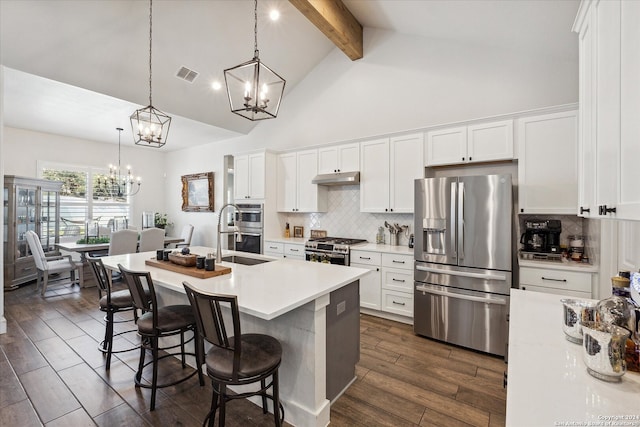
column 150, row 126
column 117, row 185
column 254, row 90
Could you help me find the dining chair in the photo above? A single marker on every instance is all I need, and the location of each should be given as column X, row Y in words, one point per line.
column 187, row 233
column 157, row 323
column 237, row 359
column 48, row 265
column 151, row 239
column 111, row 302
column 123, row 242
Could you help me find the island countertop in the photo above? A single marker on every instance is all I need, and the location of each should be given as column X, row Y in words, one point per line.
column 548, row 383
column 265, row 290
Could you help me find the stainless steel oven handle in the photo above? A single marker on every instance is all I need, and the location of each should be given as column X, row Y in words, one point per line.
column 249, row 234
column 462, row 273
column 492, row 300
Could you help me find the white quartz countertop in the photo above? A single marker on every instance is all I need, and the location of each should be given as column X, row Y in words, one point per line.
column 294, row 240
column 548, row 383
column 561, row 265
column 265, row 290
column 375, row 247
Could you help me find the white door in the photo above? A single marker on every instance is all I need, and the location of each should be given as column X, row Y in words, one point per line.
column 241, row 177
column 307, row 193
column 374, row 176
column 490, row 141
column 406, row 164
column 370, row 287
column 256, row 175
column 349, row 157
column 446, row 146
column 328, row 160
column 286, row 172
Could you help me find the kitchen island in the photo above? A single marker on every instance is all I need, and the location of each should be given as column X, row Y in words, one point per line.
column 299, row 303
column 548, row 383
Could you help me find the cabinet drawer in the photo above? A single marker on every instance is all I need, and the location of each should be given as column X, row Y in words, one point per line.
column 556, row 279
column 576, row 294
column 397, row 261
column 397, row 302
column 274, row 247
column 397, row 279
column 362, row 257
column 293, row 251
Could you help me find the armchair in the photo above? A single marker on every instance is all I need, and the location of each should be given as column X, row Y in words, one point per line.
column 49, row 264
column 187, row 233
column 151, row 239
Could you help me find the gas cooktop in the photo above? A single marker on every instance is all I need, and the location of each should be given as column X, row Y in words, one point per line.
column 336, row 240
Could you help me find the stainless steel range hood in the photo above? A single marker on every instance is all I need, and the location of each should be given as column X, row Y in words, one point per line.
column 339, row 178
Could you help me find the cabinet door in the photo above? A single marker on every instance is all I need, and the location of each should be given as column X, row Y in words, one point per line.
column 374, row 176
column 628, row 248
column 310, row 197
column 587, row 120
column 256, row 175
column 406, row 166
column 628, row 206
column 294, row 251
column 370, row 287
column 446, row 146
column 349, row 157
column 548, row 163
column 286, row 172
column 328, row 160
column 490, row 141
column 241, row 177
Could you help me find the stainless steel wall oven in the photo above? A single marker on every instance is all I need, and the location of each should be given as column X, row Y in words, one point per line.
column 250, row 224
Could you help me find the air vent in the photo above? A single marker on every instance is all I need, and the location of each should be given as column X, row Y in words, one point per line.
column 186, row 74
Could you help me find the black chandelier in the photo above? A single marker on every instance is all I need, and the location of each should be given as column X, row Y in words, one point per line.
column 117, row 185
column 150, row 126
column 254, row 90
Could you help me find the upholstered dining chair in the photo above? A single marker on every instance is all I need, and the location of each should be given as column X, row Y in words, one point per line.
column 111, row 302
column 157, row 323
column 123, row 242
column 186, row 235
column 237, row 359
column 151, row 239
column 46, row 265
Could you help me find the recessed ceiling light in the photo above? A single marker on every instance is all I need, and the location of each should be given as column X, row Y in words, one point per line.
column 274, row 14
column 216, row 85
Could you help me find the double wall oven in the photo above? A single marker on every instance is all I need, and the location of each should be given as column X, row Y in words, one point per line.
column 249, row 222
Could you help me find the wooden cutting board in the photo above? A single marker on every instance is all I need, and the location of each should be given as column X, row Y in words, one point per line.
column 191, row 271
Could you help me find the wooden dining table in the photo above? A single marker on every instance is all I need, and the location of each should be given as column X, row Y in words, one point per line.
column 86, row 277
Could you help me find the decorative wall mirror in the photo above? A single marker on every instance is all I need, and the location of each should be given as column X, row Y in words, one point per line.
column 197, row 192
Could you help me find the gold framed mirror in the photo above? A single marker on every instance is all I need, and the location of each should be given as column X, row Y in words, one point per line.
column 197, row 192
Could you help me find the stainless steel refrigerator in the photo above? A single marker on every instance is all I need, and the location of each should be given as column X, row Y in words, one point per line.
column 463, row 257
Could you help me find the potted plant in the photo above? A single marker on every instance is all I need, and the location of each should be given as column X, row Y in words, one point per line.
column 161, row 221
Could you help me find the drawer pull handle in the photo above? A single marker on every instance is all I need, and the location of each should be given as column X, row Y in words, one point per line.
column 398, row 303
column 398, row 280
column 362, row 257
column 273, row 247
column 554, row 280
column 294, row 250
column 398, row 262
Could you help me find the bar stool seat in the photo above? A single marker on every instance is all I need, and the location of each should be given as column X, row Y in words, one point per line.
column 260, row 353
column 170, row 318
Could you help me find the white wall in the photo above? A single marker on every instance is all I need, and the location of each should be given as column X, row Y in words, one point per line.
column 402, row 83
column 23, row 149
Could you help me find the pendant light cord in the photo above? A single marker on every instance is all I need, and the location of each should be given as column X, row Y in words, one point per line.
column 150, row 38
column 255, row 30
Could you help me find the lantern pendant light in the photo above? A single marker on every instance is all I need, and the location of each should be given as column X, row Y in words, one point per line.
column 254, row 90
column 150, row 126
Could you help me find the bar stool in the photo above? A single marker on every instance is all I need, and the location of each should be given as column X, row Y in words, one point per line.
column 160, row 322
column 111, row 303
column 233, row 361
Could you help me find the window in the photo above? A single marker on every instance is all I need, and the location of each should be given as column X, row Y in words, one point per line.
column 87, row 206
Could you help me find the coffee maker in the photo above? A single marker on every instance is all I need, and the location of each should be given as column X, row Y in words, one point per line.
column 541, row 236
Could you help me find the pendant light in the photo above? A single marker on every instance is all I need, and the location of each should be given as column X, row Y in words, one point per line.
column 117, row 185
column 254, row 90
column 150, row 126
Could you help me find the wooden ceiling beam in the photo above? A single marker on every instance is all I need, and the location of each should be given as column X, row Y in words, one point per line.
column 336, row 22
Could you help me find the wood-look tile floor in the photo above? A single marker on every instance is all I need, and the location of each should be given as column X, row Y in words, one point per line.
column 51, row 373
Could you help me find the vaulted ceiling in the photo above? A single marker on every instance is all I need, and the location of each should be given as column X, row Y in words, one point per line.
column 80, row 68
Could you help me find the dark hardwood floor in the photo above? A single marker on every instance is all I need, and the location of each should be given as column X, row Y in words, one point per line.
column 52, row 373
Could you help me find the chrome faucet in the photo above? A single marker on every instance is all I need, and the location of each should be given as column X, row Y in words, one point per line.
column 238, row 236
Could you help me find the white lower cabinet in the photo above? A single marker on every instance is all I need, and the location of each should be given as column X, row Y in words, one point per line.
column 562, row 282
column 294, row 251
column 274, row 249
column 370, row 284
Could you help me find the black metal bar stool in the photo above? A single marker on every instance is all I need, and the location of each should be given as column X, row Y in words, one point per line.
column 231, row 361
column 161, row 322
column 111, row 303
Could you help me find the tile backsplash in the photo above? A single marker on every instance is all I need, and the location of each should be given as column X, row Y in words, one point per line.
column 344, row 218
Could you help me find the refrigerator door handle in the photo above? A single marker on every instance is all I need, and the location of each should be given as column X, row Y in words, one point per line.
column 461, row 221
column 462, row 273
column 491, row 300
column 452, row 218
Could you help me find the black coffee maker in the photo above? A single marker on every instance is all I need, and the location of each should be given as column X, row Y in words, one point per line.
column 541, row 236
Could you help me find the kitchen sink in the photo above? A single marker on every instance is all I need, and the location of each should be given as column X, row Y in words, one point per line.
column 244, row 260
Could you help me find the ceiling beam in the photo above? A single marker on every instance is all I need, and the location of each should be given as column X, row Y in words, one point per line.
column 336, row 22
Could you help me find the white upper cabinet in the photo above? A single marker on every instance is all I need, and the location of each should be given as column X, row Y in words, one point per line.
column 609, row 42
column 548, row 163
column 295, row 192
column 482, row 142
column 339, row 158
column 249, row 176
column 388, row 168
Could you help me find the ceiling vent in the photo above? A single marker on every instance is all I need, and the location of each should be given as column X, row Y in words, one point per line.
column 186, row 74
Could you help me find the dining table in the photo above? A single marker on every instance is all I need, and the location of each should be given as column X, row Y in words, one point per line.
column 86, row 277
